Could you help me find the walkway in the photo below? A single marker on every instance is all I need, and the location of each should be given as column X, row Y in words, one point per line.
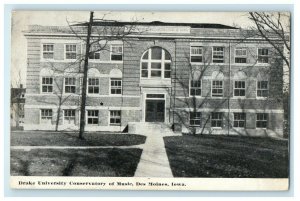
column 154, row 160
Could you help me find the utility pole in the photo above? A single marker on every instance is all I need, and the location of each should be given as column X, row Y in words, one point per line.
column 85, row 72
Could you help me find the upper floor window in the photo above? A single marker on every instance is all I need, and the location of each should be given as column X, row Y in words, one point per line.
column 93, row 86
column 263, row 55
column 196, row 54
column 240, row 55
column 48, row 51
column 262, row 88
column 239, row 88
column 47, row 84
column 156, row 63
column 195, row 118
column 115, row 86
column 218, row 54
column 217, row 88
column 94, row 53
column 70, row 51
column 116, row 53
column 195, row 87
column 70, row 85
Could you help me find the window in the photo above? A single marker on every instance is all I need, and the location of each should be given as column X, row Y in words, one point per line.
column 217, row 88
column 46, row 116
column 69, row 116
column 240, row 55
column 156, row 63
column 48, row 51
column 47, row 84
column 262, row 89
column 216, row 119
column 263, row 55
column 115, row 117
column 70, row 85
column 196, row 54
column 70, row 51
column 195, row 88
column 94, row 54
column 195, row 118
column 239, row 88
column 93, row 117
column 261, row 120
column 239, row 120
column 116, row 53
column 218, row 54
column 93, row 86
column 115, row 86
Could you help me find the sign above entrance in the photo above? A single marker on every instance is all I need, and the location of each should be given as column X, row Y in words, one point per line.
column 156, row 96
column 159, row 29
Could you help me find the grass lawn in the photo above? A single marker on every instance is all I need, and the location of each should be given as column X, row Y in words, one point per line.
column 70, row 162
column 50, row 138
column 227, row 156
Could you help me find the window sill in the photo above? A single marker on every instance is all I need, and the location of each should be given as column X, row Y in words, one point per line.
column 115, row 95
column 262, row 64
column 239, row 97
column 197, row 63
column 218, row 97
column 262, row 98
column 191, row 96
column 217, row 128
column 114, row 124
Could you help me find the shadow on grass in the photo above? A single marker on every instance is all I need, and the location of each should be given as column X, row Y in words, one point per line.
column 44, row 138
column 90, row 162
column 227, row 156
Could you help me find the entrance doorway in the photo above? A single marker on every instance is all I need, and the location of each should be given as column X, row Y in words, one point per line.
column 155, row 108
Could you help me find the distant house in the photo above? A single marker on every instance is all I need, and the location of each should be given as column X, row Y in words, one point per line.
column 208, row 78
column 17, row 102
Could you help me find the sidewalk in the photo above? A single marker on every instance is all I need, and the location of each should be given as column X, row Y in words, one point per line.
column 154, row 161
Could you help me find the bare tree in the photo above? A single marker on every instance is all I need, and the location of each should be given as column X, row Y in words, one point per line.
column 97, row 37
column 194, row 99
column 275, row 28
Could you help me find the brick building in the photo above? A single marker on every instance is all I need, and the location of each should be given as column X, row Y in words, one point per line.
column 202, row 78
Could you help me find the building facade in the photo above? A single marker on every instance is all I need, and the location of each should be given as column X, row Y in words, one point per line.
column 195, row 78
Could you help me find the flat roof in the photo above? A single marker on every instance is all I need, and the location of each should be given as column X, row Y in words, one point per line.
column 157, row 23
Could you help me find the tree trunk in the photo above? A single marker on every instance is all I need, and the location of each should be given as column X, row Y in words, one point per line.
column 58, row 115
column 84, row 84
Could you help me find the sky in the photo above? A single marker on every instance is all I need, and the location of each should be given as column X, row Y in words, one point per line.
column 21, row 20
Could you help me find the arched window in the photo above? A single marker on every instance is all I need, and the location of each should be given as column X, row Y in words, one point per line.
column 156, row 63
column 93, row 81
